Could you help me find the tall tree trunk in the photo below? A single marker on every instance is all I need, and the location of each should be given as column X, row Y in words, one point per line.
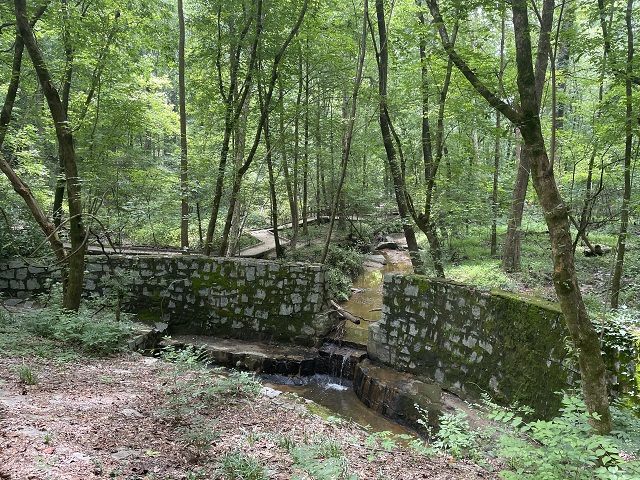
column 239, row 142
column 305, row 166
column 511, row 253
column 583, row 335
column 272, row 180
column 431, row 151
column 263, row 115
column 387, row 139
column 496, row 152
column 349, row 107
column 184, row 165
column 626, row 197
column 234, row 99
column 64, row 134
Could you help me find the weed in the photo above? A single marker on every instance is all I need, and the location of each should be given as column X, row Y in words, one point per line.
column 344, row 266
column 26, row 374
column 322, row 461
column 252, row 437
column 199, row 436
column 238, row 466
column 81, row 330
column 561, row 448
column 286, row 442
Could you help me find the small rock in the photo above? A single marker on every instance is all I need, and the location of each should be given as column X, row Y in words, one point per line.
column 124, row 454
column 270, row 392
column 12, row 302
column 130, row 412
column 387, row 246
column 377, row 259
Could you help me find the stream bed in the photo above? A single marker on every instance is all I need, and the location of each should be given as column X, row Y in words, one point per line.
column 336, row 395
column 366, row 301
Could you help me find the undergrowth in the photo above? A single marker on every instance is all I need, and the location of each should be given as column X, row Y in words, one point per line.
column 344, row 266
column 558, row 449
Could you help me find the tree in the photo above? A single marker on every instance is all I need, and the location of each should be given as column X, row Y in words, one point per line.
column 235, row 93
column 395, row 164
column 184, row 178
column 73, row 282
column 584, row 337
column 349, row 106
column 626, row 196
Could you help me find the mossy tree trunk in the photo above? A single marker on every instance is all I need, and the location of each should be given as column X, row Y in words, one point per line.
column 583, row 335
column 64, row 133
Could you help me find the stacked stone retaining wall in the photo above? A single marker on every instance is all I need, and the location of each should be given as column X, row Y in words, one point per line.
column 472, row 341
column 238, row 298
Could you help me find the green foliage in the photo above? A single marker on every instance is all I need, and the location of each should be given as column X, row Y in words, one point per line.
column 26, row 374
column 199, row 435
column 236, row 465
column 384, row 442
column 454, row 436
column 558, row 449
column 92, row 335
column 191, row 388
column 344, row 264
column 322, row 460
column 564, row 447
column 482, row 274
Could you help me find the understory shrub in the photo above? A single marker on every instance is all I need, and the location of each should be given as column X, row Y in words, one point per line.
column 558, row 449
column 92, row 334
column 344, row 265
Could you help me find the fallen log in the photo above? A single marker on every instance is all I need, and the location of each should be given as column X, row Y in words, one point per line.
column 344, row 314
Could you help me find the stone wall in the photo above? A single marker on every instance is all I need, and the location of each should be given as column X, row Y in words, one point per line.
column 228, row 297
column 472, row 341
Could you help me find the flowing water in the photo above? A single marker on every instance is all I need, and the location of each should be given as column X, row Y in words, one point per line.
column 337, row 394
column 366, row 301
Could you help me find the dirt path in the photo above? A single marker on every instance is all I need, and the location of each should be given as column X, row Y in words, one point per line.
column 103, row 418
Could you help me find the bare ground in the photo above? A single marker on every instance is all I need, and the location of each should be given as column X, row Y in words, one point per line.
column 102, row 418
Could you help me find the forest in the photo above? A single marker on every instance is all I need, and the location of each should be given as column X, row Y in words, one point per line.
column 500, row 138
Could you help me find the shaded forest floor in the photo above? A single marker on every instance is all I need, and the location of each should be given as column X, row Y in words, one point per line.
column 117, row 418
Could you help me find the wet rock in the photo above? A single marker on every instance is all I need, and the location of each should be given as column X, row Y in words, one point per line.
column 387, row 245
column 376, row 259
column 396, row 394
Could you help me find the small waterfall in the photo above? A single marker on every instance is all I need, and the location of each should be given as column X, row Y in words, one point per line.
column 338, row 360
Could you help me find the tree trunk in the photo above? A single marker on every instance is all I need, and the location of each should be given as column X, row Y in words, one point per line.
column 584, row 337
column 263, row 115
column 64, row 134
column 272, row 180
column 496, row 152
column 616, row 281
column 431, row 153
column 21, row 188
column 234, row 100
column 184, row 179
column 389, row 147
column 511, row 253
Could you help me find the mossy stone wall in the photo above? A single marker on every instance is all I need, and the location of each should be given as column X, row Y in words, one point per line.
column 238, row 298
column 472, row 341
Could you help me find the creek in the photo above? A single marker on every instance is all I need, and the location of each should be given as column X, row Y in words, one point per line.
column 335, row 393
column 366, row 301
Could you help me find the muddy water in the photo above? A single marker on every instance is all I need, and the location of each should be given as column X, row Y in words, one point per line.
column 366, row 302
column 336, row 395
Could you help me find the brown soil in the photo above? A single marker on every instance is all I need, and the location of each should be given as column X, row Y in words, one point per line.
column 102, row 418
